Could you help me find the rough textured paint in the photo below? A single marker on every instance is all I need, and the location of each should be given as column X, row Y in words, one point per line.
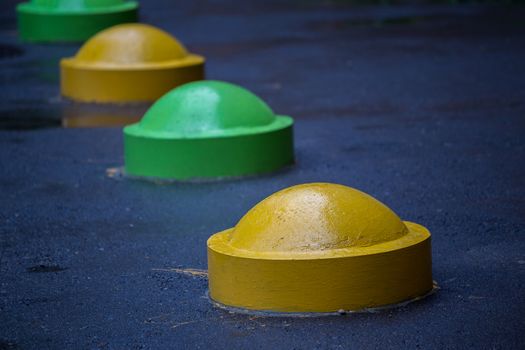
column 71, row 20
column 319, row 248
column 316, row 217
column 208, row 129
column 128, row 63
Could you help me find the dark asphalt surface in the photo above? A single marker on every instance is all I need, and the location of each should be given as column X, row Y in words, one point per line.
column 421, row 106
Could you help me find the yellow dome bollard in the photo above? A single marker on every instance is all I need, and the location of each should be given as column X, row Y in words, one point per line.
column 128, row 63
column 319, row 247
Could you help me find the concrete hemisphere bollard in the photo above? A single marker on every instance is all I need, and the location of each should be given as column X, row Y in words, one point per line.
column 71, row 20
column 319, row 248
column 128, row 63
column 208, row 130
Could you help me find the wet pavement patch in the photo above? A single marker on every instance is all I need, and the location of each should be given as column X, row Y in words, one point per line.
column 46, row 268
column 10, row 51
column 32, row 301
column 27, row 119
column 8, row 345
column 68, row 115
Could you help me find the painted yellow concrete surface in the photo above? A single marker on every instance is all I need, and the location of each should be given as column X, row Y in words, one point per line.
column 128, row 63
column 319, row 248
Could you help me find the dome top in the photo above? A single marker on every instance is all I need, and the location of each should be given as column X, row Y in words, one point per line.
column 76, row 4
column 316, row 217
column 319, row 247
column 209, row 108
column 129, row 44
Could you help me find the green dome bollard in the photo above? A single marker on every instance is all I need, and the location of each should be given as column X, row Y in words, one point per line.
column 71, row 20
column 208, row 129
